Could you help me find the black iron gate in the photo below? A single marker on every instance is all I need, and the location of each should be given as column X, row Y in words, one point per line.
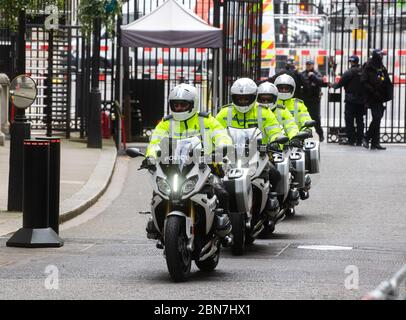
column 150, row 67
column 60, row 62
column 356, row 28
column 242, row 28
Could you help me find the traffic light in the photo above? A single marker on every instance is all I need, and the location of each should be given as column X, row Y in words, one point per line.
column 304, row 5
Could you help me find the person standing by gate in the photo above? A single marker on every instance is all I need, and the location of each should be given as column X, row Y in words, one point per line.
column 311, row 95
column 354, row 102
column 378, row 90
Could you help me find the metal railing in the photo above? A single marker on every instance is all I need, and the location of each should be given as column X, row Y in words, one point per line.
column 390, row 289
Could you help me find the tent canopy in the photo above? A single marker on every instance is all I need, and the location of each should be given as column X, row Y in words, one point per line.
column 171, row 25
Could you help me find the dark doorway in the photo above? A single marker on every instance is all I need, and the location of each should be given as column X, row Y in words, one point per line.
column 148, row 96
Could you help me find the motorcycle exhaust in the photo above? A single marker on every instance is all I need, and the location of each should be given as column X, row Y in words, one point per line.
column 257, row 232
column 213, row 245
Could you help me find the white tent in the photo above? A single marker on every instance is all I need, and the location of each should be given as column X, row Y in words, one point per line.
column 172, row 26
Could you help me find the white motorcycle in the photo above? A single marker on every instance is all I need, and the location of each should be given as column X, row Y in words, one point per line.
column 304, row 160
column 184, row 207
column 247, row 182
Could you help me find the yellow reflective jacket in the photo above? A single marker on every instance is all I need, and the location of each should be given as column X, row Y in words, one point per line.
column 261, row 118
column 298, row 110
column 286, row 120
column 201, row 124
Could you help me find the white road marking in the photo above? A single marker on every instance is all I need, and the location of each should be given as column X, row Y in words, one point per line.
column 72, row 182
column 88, row 247
column 324, row 248
column 283, row 250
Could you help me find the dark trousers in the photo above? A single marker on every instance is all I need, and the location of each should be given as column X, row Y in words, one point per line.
column 274, row 177
column 223, row 197
column 313, row 106
column 374, row 127
column 354, row 111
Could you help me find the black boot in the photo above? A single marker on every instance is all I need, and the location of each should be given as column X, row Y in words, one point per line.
column 365, row 142
column 152, row 232
column 377, row 146
column 272, row 204
column 223, row 228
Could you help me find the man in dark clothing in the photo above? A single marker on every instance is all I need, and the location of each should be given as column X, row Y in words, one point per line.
column 290, row 69
column 378, row 89
column 311, row 95
column 354, row 101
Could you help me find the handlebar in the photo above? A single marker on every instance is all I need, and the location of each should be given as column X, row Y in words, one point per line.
column 302, row 135
column 309, row 124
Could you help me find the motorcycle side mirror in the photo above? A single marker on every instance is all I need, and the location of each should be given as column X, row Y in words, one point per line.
column 134, row 152
column 281, row 140
column 309, row 124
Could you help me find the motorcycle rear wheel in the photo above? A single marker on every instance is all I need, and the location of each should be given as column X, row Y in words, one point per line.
column 178, row 258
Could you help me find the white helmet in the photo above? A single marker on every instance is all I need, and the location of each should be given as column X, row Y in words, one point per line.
column 244, row 94
column 286, row 86
column 267, row 95
column 183, row 102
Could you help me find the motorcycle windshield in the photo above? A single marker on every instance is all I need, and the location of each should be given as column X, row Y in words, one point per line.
column 245, row 145
column 181, row 152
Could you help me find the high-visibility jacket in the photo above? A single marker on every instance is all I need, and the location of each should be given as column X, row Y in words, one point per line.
column 286, row 120
column 201, row 124
column 298, row 110
column 260, row 118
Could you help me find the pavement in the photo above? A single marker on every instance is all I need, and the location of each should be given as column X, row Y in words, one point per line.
column 85, row 175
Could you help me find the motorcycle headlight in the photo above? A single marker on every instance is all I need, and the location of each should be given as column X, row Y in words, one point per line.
column 189, row 185
column 163, row 186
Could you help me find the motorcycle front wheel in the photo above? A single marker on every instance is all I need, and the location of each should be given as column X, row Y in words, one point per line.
column 178, row 257
column 238, row 230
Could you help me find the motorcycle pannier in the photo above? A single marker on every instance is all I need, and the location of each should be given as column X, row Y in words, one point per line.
column 298, row 165
column 312, row 152
column 281, row 162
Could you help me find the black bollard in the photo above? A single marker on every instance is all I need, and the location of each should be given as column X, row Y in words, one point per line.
column 19, row 131
column 54, row 180
column 35, row 231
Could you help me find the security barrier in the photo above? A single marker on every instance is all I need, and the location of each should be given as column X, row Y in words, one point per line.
column 40, row 196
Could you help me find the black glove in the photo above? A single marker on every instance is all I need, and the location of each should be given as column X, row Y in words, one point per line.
column 296, row 143
column 148, row 163
column 274, row 146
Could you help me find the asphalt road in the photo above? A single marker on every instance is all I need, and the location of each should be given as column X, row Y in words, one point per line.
column 356, row 205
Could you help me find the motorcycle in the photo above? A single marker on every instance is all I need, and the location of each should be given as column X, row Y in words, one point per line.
column 304, row 159
column 247, row 182
column 184, row 207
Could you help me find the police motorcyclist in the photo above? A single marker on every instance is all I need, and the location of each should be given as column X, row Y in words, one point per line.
column 354, row 101
column 244, row 112
column 286, row 88
column 185, row 121
column 267, row 98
